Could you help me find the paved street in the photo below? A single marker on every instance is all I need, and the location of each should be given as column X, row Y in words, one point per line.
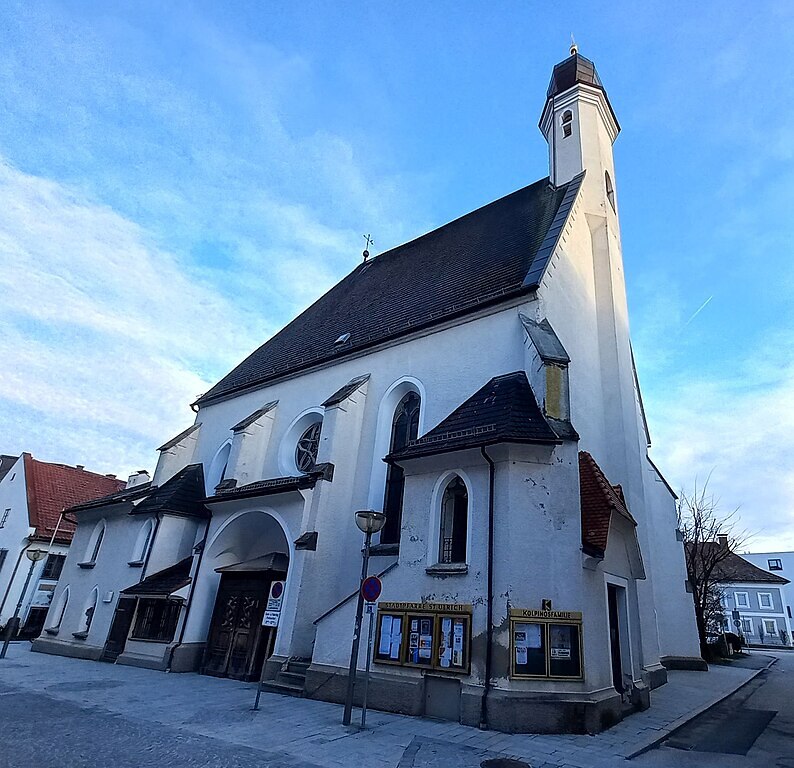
column 753, row 727
column 68, row 712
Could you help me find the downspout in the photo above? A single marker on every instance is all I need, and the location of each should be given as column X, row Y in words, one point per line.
column 489, row 630
column 189, row 602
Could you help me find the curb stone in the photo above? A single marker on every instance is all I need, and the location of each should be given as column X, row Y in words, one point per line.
column 676, row 725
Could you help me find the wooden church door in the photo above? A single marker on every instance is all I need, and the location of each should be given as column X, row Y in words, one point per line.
column 236, row 629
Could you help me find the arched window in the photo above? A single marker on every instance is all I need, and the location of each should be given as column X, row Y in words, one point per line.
column 454, row 523
column 94, row 545
column 307, row 447
column 60, row 610
column 567, row 119
column 610, row 190
column 218, row 467
column 88, row 612
column 143, row 542
column 405, row 427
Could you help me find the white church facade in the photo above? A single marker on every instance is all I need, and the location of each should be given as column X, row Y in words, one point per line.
column 476, row 384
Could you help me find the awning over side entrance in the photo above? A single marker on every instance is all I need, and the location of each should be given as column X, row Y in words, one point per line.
column 164, row 583
column 274, row 561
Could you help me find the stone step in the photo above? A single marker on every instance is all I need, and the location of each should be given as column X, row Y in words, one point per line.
column 285, row 689
column 291, row 678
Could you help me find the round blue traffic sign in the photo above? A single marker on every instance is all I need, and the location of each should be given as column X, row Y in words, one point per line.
column 371, row 588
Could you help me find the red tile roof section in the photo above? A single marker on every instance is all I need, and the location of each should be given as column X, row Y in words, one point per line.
column 599, row 499
column 51, row 488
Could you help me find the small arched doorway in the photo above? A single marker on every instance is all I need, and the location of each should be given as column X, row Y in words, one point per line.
column 249, row 552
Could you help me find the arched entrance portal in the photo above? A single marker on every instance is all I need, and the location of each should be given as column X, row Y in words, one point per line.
column 249, row 552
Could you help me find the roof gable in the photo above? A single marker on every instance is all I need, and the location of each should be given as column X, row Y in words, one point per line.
column 504, row 410
column 52, row 488
column 599, row 500
column 494, row 253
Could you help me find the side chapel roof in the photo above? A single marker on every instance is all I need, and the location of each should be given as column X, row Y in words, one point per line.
column 504, row 410
column 488, row 256
column 599, row 500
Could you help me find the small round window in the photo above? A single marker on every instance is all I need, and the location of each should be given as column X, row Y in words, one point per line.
column 306, row 449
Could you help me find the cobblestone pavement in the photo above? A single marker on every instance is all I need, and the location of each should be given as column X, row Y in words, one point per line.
column 69, row 712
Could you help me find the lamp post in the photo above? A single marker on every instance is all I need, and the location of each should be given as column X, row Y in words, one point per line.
column 368, row 521
column 34, row 555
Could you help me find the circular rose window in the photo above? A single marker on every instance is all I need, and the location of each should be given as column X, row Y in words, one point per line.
column 306, row 450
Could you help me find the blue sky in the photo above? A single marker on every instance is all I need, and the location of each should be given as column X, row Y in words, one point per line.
column 178, row 180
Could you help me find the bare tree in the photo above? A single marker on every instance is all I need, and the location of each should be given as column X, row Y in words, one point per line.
column 709, row 540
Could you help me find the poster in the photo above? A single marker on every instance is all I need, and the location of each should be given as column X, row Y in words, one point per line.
column 560, row 641
column 445, row 645
column 521, row 654
column 425, row 646
column 384, row 647
column 533, row 632
column 457, row 644
column 396, row 637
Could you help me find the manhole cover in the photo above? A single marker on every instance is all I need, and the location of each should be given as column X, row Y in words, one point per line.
column 504, row 762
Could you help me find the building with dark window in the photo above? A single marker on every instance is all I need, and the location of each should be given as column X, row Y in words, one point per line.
column 476, row 384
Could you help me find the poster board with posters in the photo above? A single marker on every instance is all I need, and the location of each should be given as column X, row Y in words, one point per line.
column 432, row 636
column 546, row 644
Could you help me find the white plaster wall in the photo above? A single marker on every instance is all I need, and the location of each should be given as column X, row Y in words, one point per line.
column 761, row 560
column 13, row 537
column 174, row 541
column 110, row 574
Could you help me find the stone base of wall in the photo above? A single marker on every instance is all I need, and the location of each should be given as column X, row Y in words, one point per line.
column 507, row 711
column 75, row 650
column 187, row 657
column 654, row 675
column 692, row 663
column 159, row 662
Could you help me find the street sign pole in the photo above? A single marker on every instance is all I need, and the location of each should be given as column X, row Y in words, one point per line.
column 271, row 620
column 371, row 612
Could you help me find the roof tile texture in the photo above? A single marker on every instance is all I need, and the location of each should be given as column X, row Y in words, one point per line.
column 51, row 488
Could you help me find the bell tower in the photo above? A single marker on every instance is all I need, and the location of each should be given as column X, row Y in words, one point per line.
column 580, row 127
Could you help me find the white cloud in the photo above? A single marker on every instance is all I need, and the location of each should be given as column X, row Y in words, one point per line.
column 738, row 430
column 103, row 332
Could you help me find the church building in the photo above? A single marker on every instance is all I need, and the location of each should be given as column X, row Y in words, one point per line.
column 477, row 385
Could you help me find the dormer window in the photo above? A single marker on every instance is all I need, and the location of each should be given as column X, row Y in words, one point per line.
column 343, row 339
column 567, row 119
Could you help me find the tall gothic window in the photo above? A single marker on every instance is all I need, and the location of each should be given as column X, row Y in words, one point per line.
column 454, row 523
column 405, row 427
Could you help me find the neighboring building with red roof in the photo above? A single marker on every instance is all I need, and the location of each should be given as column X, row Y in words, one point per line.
column 33, row 494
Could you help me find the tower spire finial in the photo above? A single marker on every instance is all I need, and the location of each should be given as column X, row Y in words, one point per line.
column 369, row 242
column 574, row 46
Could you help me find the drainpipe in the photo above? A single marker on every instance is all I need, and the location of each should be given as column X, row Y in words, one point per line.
column 489, row 631
column 189, row 602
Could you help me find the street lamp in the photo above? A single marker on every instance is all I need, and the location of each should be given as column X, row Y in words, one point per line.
column 34, row 555
column 368, row 521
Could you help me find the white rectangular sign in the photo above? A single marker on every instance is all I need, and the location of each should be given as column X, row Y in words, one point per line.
column 271, row 618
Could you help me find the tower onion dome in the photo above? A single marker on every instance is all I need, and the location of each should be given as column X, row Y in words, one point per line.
column 575, row 69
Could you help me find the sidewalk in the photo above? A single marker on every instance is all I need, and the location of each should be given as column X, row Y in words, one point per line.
column 298, row 732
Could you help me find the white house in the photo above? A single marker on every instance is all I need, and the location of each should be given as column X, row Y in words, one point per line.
column 477, row 384
column 755, row 598
column 779, row 564
column 33, row 494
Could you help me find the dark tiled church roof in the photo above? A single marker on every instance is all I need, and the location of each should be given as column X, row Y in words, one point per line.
column 181, row 495
column 492, row 254
column 502, row 411
column 599, row 500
